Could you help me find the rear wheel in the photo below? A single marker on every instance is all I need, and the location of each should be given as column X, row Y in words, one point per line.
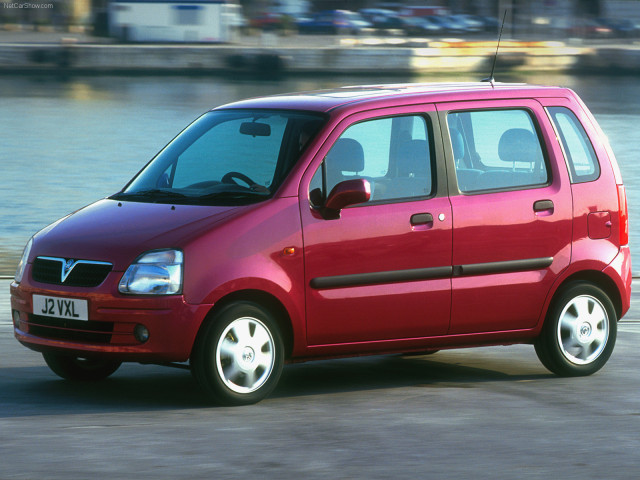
column 580, row 331
column 239, row 356
column 80, row 369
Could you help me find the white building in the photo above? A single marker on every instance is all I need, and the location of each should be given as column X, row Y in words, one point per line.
column 173, row 20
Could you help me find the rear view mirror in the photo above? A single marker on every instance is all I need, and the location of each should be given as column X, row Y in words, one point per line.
column 255, row 129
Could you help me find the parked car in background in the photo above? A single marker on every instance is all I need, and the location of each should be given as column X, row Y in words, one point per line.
column 421, row 26
column 334, row 22
column 471, row 23
column 621, row 28
column 448, row 24
column 357, row 221
column 266, row 21
column 377, row 16
column 580, row 28
column 385, row 20
column 489, row 24
column 422, row 11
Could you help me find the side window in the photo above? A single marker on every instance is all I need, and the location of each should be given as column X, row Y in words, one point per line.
column 581, row 158
column 393, row 154
column 496, row 150
column 188, row 15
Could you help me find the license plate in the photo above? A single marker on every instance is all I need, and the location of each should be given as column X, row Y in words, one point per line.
column 59, row 307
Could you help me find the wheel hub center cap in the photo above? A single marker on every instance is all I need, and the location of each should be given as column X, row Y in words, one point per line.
column 585, row 330
column 248, row 355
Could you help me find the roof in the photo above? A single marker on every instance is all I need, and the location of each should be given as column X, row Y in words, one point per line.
column 371, row 96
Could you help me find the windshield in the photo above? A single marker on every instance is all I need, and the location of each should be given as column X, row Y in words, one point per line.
column 225, row 157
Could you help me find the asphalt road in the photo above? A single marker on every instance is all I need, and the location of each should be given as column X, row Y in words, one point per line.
column 491, row 413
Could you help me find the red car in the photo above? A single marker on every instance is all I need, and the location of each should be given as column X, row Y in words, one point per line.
column 362, row 220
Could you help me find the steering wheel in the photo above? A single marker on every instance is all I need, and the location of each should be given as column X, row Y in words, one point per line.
column 205, row 184
column 229, row 178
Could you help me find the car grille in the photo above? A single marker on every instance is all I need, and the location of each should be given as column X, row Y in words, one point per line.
column 70, row 272
column 72, row 330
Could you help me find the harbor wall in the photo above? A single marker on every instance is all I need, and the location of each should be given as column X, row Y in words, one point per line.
column 348, row 59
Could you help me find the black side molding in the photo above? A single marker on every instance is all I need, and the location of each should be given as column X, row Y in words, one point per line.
column 391, row 276
column 502, row 267
column 416, row 274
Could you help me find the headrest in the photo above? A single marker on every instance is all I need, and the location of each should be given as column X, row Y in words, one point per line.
column 347, row 155
column 413, row 159
column 519, row 145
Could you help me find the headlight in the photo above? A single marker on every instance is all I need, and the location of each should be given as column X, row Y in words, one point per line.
column 158, row 272
column 23, row 261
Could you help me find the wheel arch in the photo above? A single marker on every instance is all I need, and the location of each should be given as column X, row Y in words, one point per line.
column 599, row 279
column 265, row 300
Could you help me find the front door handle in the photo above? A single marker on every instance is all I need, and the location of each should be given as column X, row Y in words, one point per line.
column 421, row 219
column 543, row 206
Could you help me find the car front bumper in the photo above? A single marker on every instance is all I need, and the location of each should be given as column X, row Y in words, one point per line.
column 110, row 330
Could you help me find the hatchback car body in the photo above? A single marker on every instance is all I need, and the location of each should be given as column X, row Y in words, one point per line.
column 362, row 220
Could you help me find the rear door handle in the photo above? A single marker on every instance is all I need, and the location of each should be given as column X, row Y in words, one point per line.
column 421, row 219
column 543, row 206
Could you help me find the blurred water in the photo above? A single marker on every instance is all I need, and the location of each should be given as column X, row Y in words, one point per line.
column 67, row 143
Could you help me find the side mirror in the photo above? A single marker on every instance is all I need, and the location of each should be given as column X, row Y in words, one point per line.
column 344, row 194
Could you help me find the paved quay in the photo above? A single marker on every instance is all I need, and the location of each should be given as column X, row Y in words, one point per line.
column 78, row 53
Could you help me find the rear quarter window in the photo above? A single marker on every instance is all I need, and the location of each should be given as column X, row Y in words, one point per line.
column 579, row 153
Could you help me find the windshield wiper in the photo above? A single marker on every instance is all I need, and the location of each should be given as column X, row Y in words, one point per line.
column 152, row 193
column 231, row 194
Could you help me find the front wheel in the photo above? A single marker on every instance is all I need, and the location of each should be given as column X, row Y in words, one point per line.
column 580, row 331
column 239, row 356
column 80, row 369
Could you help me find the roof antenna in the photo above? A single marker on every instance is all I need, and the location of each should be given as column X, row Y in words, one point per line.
column 490, row 78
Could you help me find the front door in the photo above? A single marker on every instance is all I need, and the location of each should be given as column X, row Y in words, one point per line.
column 381, row 270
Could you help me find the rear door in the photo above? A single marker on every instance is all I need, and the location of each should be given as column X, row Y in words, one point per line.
column 512, row 211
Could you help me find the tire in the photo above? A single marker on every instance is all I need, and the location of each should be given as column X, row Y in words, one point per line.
column 80, row 369
column 239, row 355
column 579, row 332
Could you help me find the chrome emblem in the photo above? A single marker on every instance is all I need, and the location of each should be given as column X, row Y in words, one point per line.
column 67, row 267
